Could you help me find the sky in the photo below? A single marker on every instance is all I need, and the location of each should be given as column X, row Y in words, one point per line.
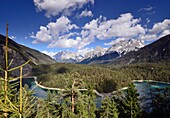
column 81, row 25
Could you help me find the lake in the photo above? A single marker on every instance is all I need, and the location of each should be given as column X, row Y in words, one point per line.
column 143, row 88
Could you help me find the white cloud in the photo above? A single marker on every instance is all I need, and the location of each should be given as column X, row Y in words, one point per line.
column 55, row 7
column 12, row 37
column 54, row 31
column 115, row 41
column 77, row 43
column 42, row 36
column 164, row 33
column 149, row 8
column 86, row 13
column 158, row 30
column 58, row 34
column 51, row 54
column 84, row 51
column 148, row 37
column 123, row 27
column 160, row 27
column 63, row 43
column 64, row 34
column 148, row 20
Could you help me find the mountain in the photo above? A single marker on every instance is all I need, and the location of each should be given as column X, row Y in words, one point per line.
column 158, row 51
column 124, row 46
column 68, row 57
column 116, row 50
column 21, row 54
column 100, row 59
column 98, row 51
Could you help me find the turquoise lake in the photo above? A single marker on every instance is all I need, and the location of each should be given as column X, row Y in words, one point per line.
column 142, row 88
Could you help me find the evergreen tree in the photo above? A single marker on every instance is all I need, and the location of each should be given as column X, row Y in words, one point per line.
column 49, row 107
column 86, row 106
column 129, row 105
column 11, row 107
column 108, row 109
column 66, row 109
column 158, row 104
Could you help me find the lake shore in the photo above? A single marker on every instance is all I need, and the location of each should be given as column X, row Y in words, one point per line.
column 97, row 93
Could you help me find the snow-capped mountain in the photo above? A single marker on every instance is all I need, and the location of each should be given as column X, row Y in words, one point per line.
column 67, row 56
column 118, row 49
column 124, row 46
column 98, row 51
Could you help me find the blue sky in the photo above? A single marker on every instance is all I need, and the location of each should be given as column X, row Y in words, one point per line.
column 81, row 25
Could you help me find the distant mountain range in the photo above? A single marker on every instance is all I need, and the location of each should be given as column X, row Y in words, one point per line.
column 158, row 51
column 122, row 52
column 115, row 51
column 99, row 54
column 68, row 57
column 21, row 54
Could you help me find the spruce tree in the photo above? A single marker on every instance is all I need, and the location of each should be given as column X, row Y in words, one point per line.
column 108, row 109
column 129, row 104
column 49, row 107
column 86, row 106
column 11, row 107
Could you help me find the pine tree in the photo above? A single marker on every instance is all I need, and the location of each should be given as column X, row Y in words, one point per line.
column 91, row 104
column 108, row 109
column 49, row 107
column 9, row 106
column 86, row 106
column 129, row 104
column 161, row 101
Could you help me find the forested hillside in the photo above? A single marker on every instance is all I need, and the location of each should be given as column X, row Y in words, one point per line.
column 105, row 78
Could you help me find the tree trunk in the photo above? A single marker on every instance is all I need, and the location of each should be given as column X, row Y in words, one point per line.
column 72, row 97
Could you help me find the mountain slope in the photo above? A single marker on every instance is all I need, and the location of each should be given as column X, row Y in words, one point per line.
column 118, row 49
column 21, row 54
column 124, row 46
column 154, row 52
column 100, row 59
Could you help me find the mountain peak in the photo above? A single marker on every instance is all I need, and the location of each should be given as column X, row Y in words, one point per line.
column 154, row 52
column 68, row 56
column 125, row 46
column 98, row 51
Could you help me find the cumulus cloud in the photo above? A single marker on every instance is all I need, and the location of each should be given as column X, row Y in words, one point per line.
column 55, row 7
column 123, row 27
column 64, row 34
column 63, row 43
column 58, row 34
column 42, row 36
column 84, row 51
column 148, row 37
column 115, row 41
column 54, row 31
column 86, row 13
column 160, row 27
column 158, row 30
